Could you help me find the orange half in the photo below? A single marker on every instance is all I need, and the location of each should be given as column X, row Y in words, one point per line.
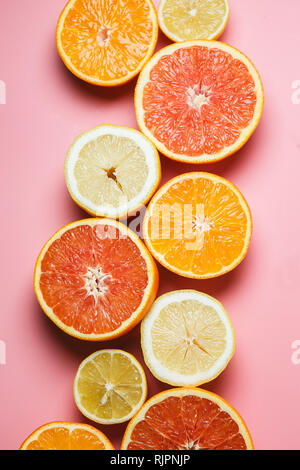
column 198, row 225
column 95, row 279
column 199, row 101
column 187, row 419
column 67, row 436
column 107, row 42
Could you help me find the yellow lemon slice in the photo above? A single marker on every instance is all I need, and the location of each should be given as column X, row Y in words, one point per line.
column 187, row 338
column 186, row 20
column 110, row 386
column 112, row 171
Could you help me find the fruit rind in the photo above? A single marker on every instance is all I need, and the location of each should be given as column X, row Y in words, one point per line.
column 85, row 137
column 204, row 158
column 110, row 421
column 163, row 189
column 180, row 392
column 54, row 424
column 175, row 38
column 173, row 378
column 105, row 83
column 149, row 294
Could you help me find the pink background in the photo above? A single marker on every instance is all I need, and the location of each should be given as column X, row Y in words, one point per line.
column 46, row 109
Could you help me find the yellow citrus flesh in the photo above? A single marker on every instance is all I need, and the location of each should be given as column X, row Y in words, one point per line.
column 112, row 171
column 198, row 225
column 106, row 42
column 110, row 386
column 187, row 338
column 67, row 436
column 186, row 20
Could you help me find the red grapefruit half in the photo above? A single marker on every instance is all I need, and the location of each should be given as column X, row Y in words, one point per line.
column 199, row 101
column 187, row 419
column 95, row 279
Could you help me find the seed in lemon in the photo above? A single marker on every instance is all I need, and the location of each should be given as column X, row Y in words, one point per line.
column 110, row 386
column 187, row 338
column 112, row 171
column 186, row 20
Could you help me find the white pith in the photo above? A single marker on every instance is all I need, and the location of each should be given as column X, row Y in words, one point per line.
column 96, row 282
column 125, row 206
column 170, row 376
column 202, row 224
column 197, row 97
column 103, row 36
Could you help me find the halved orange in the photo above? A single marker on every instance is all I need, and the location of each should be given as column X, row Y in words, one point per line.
column 67, row 436
column 198, row 225
column 199, row 101
column 187, row 419
column 95, row 279
column 106, row 42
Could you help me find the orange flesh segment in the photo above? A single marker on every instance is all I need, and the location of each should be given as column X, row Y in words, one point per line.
column 107, row 40
column 61, row 438
column 188, row 249
column 198, row 100
column 70, row 261
column 188, row 422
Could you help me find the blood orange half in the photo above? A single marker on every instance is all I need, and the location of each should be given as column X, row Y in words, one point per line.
column 199, row 101
column 95, row 279
column 187, row 418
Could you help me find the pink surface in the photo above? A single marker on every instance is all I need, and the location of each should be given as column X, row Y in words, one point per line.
column 46, row 108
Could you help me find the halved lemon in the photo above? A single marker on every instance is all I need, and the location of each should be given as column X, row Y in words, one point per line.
column 110, row 386
column 112, row 171
column 67, row 436
column 187, row 338
column 186, row 20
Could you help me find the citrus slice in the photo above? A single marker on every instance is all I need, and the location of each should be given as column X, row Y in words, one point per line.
column 106, row 42
column 187, row 338
column 198, row 101
column 95, row 279
column 111, row 171
column 198, row 225
column 186, row 419
column 67, row 436
column 185, row 20
column 110, row 386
